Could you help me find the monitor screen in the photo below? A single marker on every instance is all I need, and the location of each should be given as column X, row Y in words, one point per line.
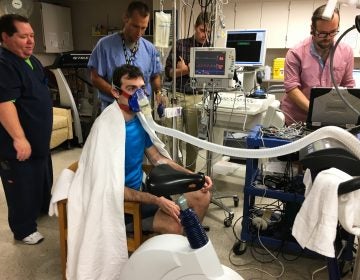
column 249, row 44
column 210, row 63
column 356, row 76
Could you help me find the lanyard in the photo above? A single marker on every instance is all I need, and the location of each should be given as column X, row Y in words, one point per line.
column 129, row 59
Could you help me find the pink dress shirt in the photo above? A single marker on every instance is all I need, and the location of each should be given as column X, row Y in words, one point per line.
column 304, row 69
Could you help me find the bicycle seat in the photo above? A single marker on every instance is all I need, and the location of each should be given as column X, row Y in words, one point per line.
column 164, row 180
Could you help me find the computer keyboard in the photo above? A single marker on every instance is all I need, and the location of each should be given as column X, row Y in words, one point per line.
column 234, row 102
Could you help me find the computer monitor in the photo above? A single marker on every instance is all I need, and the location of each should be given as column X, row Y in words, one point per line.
column 249, row 44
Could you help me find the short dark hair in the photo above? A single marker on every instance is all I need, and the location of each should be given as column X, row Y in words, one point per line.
column 317, row 15
column 202, row 19
column 7, row 24
column 138, row 6
column 131, row 71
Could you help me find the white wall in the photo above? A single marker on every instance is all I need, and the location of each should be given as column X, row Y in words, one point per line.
column 86, row 14
column 46, row 59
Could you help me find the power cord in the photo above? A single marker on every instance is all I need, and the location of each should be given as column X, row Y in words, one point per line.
column 288, row 132
column 324, row 267
column 274, row 258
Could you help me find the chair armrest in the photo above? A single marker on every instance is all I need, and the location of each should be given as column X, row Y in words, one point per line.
column 65, row 112
column 61, row 111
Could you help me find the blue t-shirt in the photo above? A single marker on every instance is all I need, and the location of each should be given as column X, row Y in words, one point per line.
column 109, row 54
column 136, row 142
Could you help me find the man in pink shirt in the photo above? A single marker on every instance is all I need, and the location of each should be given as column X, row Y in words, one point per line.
column 307, row 65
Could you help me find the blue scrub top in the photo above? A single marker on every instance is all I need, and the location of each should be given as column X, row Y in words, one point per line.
column 109, row 54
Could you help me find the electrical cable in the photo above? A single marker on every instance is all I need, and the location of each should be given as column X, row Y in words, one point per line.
column 207, row 3
column 191, row 14
column 324, row 267
column 244, row 264
column 274, row 207
column 254, row 249
column 291, row 132
column 280, row 249
column 274, row 258
column 288, row 115
column 232, row 261
column 238, row 141
column 293, row 259
column 233, row 228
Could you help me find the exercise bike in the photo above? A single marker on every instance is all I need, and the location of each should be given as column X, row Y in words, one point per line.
column 172, row 256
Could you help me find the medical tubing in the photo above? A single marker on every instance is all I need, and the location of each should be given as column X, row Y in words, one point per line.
column 349, row 140
column 332, row 53
column 195, row 232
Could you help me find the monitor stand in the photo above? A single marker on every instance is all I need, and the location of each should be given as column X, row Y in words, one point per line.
column 249, row 79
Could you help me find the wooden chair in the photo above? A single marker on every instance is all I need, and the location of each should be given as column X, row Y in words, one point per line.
column 134, row 239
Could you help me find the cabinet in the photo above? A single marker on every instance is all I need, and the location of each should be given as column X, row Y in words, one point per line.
column 287, row 21
column 274, row 18
column 347, row 19
column 296, row 17
column 239, row 15
column 248, row 14
column 251, row 192
column 52, row 27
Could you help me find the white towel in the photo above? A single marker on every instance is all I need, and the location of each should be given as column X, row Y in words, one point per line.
column 60, row 190
column 349, row 212
column 97, row 247
column 315, row 224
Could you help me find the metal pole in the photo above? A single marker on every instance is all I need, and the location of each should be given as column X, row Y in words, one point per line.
column 210, row 130
column 213, row 31
column 356, row 273
column 211, row 106
column 174, row 103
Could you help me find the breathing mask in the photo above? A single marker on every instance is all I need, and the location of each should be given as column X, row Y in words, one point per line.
column 135, row 101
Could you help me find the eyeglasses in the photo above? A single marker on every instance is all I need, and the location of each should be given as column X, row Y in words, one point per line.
column 323, row 35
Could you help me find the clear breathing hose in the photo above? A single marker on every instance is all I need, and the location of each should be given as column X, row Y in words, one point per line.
column 349, row 140
column 345, row 137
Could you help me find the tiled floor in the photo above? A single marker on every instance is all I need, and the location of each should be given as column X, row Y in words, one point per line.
column 42, row 262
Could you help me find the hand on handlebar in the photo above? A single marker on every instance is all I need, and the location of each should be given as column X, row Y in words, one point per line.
column 170, row 208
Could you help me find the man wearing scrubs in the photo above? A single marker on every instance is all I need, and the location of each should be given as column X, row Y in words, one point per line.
column 25, row 129
column 125, row 47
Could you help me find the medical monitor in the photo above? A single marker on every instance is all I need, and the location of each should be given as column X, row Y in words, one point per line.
column 211, row 67
column 249, row 44
column 212, row 63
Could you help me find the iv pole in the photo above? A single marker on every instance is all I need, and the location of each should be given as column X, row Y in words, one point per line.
column 174, row 100
column 209, row 155
column 214, row 200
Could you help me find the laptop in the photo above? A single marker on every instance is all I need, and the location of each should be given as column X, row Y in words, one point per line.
column 356, row 76
column 327, row 108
